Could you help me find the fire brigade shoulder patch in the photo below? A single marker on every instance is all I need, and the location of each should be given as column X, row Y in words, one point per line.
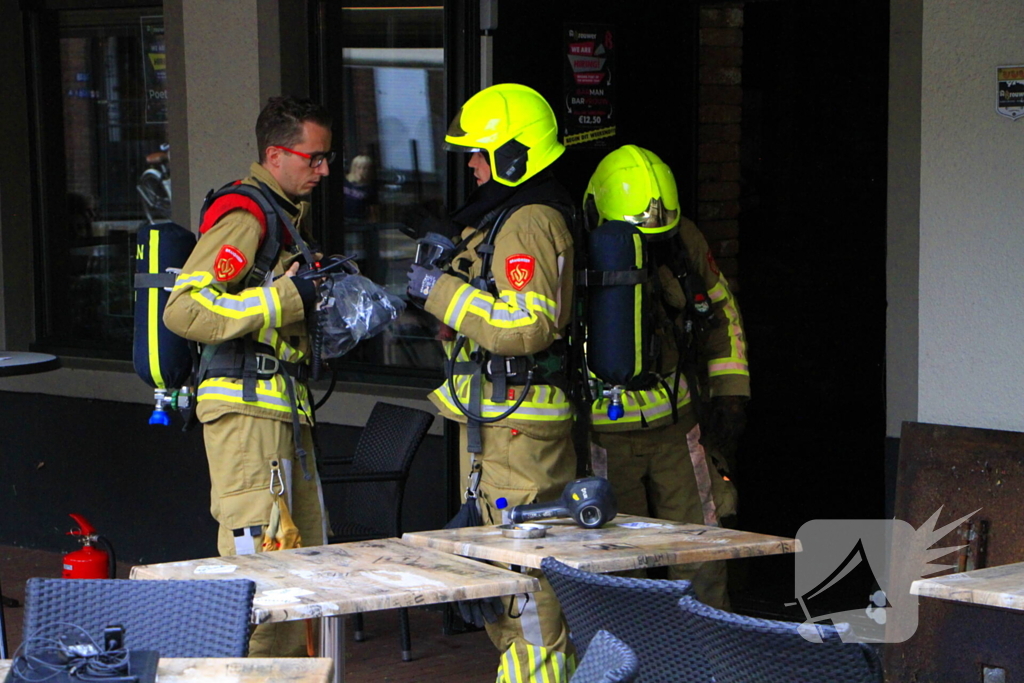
column 519, row 270
column 712, row 264
column 228, row 263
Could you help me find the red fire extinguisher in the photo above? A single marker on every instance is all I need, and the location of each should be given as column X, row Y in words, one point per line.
column 89, row 562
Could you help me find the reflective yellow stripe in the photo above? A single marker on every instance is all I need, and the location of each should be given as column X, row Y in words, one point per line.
column 270, row 394
column 718, row 292
column 152, row 312
column 515, row 663
column 638, row 312
column 547, row 404
column 509, row 310
column 649, row 404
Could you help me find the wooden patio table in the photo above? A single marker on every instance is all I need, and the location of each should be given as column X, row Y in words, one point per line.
column 627, row 542
column 328, row 582
column 234, row 670
column 1001, row 586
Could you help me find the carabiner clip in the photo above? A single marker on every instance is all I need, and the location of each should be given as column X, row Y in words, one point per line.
column 275, row 476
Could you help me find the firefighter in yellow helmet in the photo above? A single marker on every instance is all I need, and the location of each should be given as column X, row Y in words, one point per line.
column 507, row 293
column 657, row 461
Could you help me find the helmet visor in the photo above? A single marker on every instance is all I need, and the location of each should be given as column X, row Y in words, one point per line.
column 452, row 147
column 655, row 216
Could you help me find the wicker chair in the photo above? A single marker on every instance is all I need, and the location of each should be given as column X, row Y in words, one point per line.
column 608, row 660
column 746, row 650
column 374, row 485
column 643, row 613
column 175, row 618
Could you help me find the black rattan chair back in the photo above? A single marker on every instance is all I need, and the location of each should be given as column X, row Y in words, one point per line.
column 176, row 618
column 642, row 613
column 608, row 660
column 743, row 649
column 373, row 486
column 374, row 482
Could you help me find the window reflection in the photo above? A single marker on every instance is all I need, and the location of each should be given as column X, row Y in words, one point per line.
column 110, row 138
column 386, row 91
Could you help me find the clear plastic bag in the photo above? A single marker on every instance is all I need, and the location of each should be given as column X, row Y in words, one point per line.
column 353, row 308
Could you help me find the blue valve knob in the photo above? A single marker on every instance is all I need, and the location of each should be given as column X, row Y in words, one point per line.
column 160, row 417
column 615, row 411
column 501, row 503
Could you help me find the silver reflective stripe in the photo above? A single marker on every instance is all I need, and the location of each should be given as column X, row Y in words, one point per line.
column 460, row 304
column 507, row 667
column 246, row 303
column 206, row 392
column 550, row 308
column 188, row 280
column 273, row 312
column 529, row 620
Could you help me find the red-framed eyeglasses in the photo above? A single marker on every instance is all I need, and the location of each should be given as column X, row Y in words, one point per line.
column 315, row 159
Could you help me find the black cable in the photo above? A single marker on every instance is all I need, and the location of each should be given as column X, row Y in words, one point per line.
column 41, row 658
column 450, row 372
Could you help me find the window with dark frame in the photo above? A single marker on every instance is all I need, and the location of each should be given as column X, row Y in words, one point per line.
column 384, row 82
column 102, row 167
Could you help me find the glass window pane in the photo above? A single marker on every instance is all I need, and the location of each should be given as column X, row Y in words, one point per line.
column 115, row 171
column 386, row 91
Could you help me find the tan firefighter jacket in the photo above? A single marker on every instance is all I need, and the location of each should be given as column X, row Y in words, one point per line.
column 210, row 304
column 532, row 267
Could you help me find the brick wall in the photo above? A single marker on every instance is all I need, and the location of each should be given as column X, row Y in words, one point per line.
column 720, row 98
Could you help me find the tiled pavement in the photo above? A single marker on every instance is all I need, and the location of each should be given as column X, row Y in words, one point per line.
column 464, row 658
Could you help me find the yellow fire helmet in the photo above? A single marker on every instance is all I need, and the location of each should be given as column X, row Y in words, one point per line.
column 633, row 184
column 513, row 125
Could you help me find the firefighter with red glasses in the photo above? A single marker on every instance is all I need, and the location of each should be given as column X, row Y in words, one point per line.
column 241, row 300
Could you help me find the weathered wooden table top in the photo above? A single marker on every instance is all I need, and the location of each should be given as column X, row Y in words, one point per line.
column 628, row 542
column 325, row 581
column 1001, row 586
column 235, row 670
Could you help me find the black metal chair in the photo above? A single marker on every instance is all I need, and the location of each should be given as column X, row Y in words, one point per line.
column 643, row 613
column 375, row 485
column 175, row 618
column 743, row 649
column 608, row 660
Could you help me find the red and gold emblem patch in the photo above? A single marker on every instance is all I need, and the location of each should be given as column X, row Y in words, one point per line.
column 519, row 270
column 229, row 262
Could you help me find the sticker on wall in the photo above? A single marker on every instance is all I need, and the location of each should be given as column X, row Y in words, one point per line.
column 1010, row 97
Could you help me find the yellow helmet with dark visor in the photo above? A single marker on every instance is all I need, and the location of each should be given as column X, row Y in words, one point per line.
column 633, row 184
column 513, row 125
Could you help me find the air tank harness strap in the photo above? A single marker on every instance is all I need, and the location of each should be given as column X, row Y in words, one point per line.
column 250, row 361
column 473, row 368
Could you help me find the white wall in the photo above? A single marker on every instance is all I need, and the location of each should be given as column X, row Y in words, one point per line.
column 970, row 288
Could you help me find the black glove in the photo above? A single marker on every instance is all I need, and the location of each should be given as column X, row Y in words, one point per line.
column 725, row 426
column 478, row 611
column 421, row 280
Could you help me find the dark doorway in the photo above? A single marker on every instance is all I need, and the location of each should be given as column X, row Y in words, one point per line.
column 655, row 76
column 812, row 229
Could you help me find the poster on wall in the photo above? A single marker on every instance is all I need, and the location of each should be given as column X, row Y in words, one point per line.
column 154, row 68
column 588, row 112
column 1010, row 91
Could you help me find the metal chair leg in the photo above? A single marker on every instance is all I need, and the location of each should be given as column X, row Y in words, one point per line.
column 403, row 634
column 357, row 628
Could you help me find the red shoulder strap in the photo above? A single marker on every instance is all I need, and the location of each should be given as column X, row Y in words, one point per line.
column 228, row 202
